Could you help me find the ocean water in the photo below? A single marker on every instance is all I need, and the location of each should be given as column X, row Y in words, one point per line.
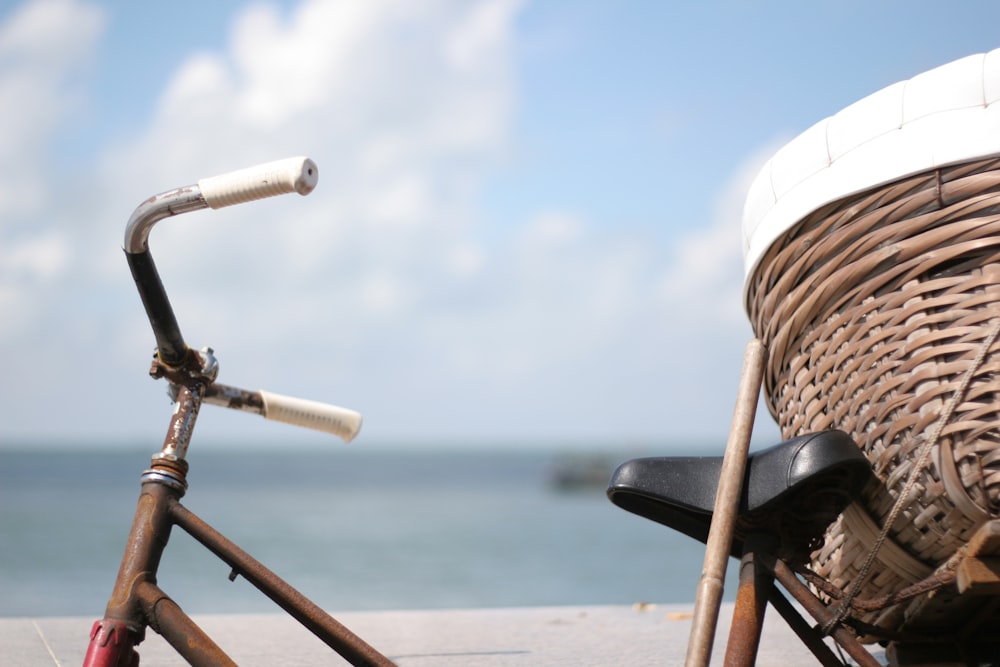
column 352, row 529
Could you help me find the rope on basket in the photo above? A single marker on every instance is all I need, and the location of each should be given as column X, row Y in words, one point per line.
column 921, row 463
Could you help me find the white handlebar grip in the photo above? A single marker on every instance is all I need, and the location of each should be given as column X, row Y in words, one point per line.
column 297, row 174
column 339, row 421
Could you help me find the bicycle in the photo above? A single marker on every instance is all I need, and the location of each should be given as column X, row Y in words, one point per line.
column 136, row 602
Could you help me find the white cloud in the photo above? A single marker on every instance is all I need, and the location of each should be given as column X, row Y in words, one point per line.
column 45, row 49
column 706, row 273
column 484, row 30
column 467, row 260
column 200, row 89
column 28, row 270
column 40, row 258
column 551, row 229
column 383, row 293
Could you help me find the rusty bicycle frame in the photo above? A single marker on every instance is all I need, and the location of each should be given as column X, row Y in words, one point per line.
column 136, row 601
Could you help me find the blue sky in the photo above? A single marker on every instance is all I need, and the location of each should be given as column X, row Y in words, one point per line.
column 526, row 228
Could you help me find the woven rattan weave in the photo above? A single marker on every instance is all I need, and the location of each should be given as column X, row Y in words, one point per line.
column 872, row 310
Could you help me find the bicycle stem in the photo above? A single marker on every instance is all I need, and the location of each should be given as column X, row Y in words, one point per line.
column 191, row 382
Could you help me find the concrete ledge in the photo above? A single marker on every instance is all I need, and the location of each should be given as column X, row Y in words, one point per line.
column 518, row 637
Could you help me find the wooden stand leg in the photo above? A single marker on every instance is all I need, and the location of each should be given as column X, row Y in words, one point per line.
column 708, row 597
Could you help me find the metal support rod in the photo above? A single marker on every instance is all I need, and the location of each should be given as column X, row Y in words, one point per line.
column 171, row 623
column 334, row 634
column 756, row 582
column 818, row 611
column 809, row 635
column 708, row 597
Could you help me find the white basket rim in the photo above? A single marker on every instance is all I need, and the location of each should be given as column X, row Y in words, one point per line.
column 945, row 116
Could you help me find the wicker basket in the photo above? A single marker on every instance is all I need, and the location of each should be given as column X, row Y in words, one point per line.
column 872, row 309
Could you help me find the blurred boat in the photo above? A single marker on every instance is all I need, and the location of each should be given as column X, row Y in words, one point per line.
column 580, row 471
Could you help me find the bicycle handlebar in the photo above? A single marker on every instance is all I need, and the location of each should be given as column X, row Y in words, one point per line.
column 341, row 422
column 333, row 419
column 298, row 174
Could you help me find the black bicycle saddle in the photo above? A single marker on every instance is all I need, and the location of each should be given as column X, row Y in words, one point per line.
column 828, row 468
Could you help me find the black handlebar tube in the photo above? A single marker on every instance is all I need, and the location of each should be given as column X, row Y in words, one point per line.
column 171, row 348
column 170, row 345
